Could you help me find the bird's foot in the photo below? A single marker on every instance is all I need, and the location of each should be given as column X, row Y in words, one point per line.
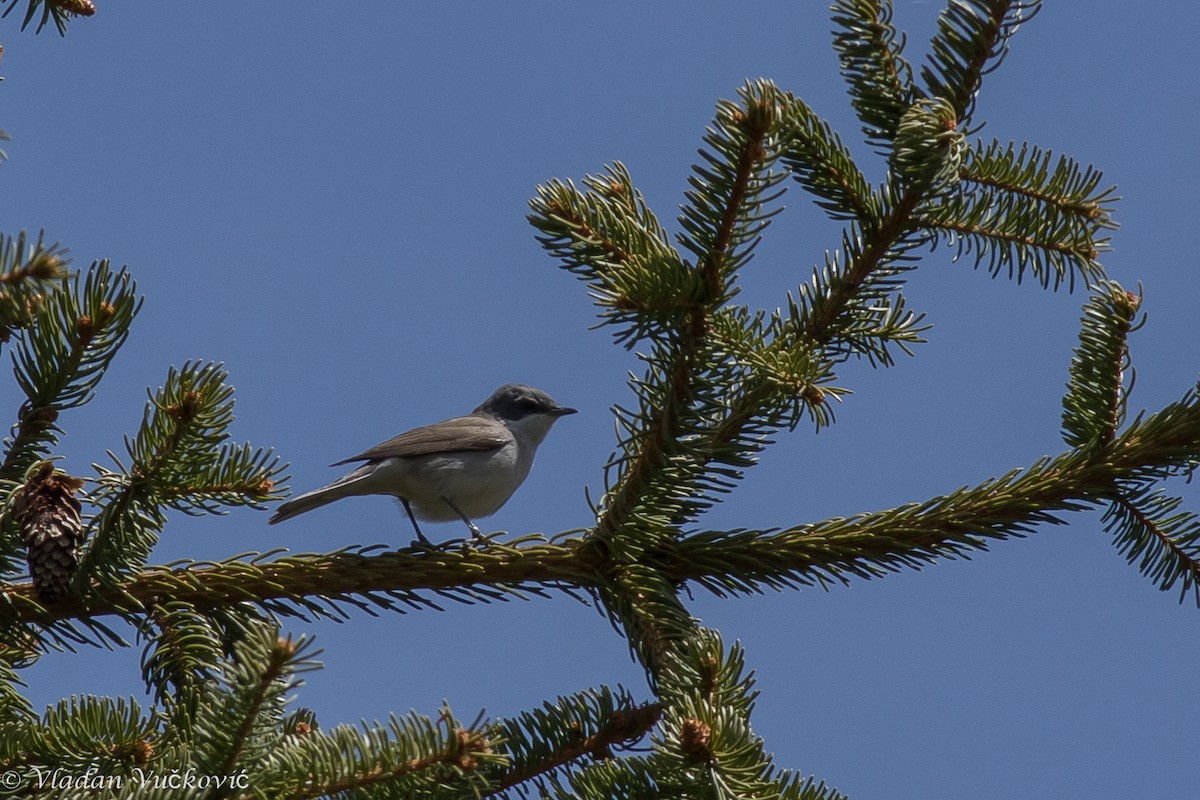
column 471, row 526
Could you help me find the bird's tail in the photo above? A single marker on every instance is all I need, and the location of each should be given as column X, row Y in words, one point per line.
column 314, row 499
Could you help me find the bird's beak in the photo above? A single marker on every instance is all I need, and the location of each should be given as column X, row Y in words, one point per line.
column 562, row 411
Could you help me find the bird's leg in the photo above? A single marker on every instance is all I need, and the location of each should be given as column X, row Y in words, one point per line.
column 408, row 508
column 478, row 534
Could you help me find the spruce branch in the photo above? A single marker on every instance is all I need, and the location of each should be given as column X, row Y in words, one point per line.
column 871, row 54
column 644, row 605
column 608, row 237
column 928, row 149
column 1015, row 213
column 78, row 733
column 794, row 786
column 705, row 737
column 28, row 271
column 319, row 585
column 25, row 643
column 783, row 373
column 913, row 535
column 866, row 545
column 1019, row 231
column 719, row 381
column 726, row 208
column 410, row 756
column 1067, row 188
column 632, row 778
column 182, row 651
column 852, row 305
column 62, row 355
column 707, row 670
column 874, row 254
column 721, row 224
column 647, row 778
column 822, row 164
column 1095, row 403
column 971, row 40
column 874, row 544
column 58, row 11
column 1149, row 529
column 559, row 734
column 15, row 708
column 238, row 729
column 239, row 726
column 178, row 459
column 663, row 478
column 702, row 746
column 21, row 262
column 1015, row 245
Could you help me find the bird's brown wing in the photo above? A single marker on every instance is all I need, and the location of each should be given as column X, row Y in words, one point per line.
column 453, row 435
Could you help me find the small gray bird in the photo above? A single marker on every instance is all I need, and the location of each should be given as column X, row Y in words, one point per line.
column 464, row 468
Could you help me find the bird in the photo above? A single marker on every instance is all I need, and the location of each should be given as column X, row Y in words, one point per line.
column 461, row 468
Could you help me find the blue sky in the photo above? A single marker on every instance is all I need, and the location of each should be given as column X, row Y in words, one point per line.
column 330, row 199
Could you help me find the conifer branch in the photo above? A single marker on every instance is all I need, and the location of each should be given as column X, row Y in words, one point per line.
column 411, row 756
column 607, row 236
column 644, row 605
column 1148, row 529
column 871, row 55
column 794, row 786
column 558, row 735
column 1015, row 245
column 454, row 751
column 181, row 652
column 81, row 729
column 58, row 11
column 1026, row 172
column 971, row 40
column 254, row 697
column 281, row 585
column 719, row 381
column 744, row 152
column 35, row 266
column 1094, row 405
column 661, row 483
column 713, row 233
column 867, row 545
column 72, row 336
column 1012, row 210
column 872, row 545
column 883, row 241
column 822, row 164
column 705, row 743
column 178, row 459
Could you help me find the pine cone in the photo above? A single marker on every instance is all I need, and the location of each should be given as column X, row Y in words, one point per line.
column 47, row 512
